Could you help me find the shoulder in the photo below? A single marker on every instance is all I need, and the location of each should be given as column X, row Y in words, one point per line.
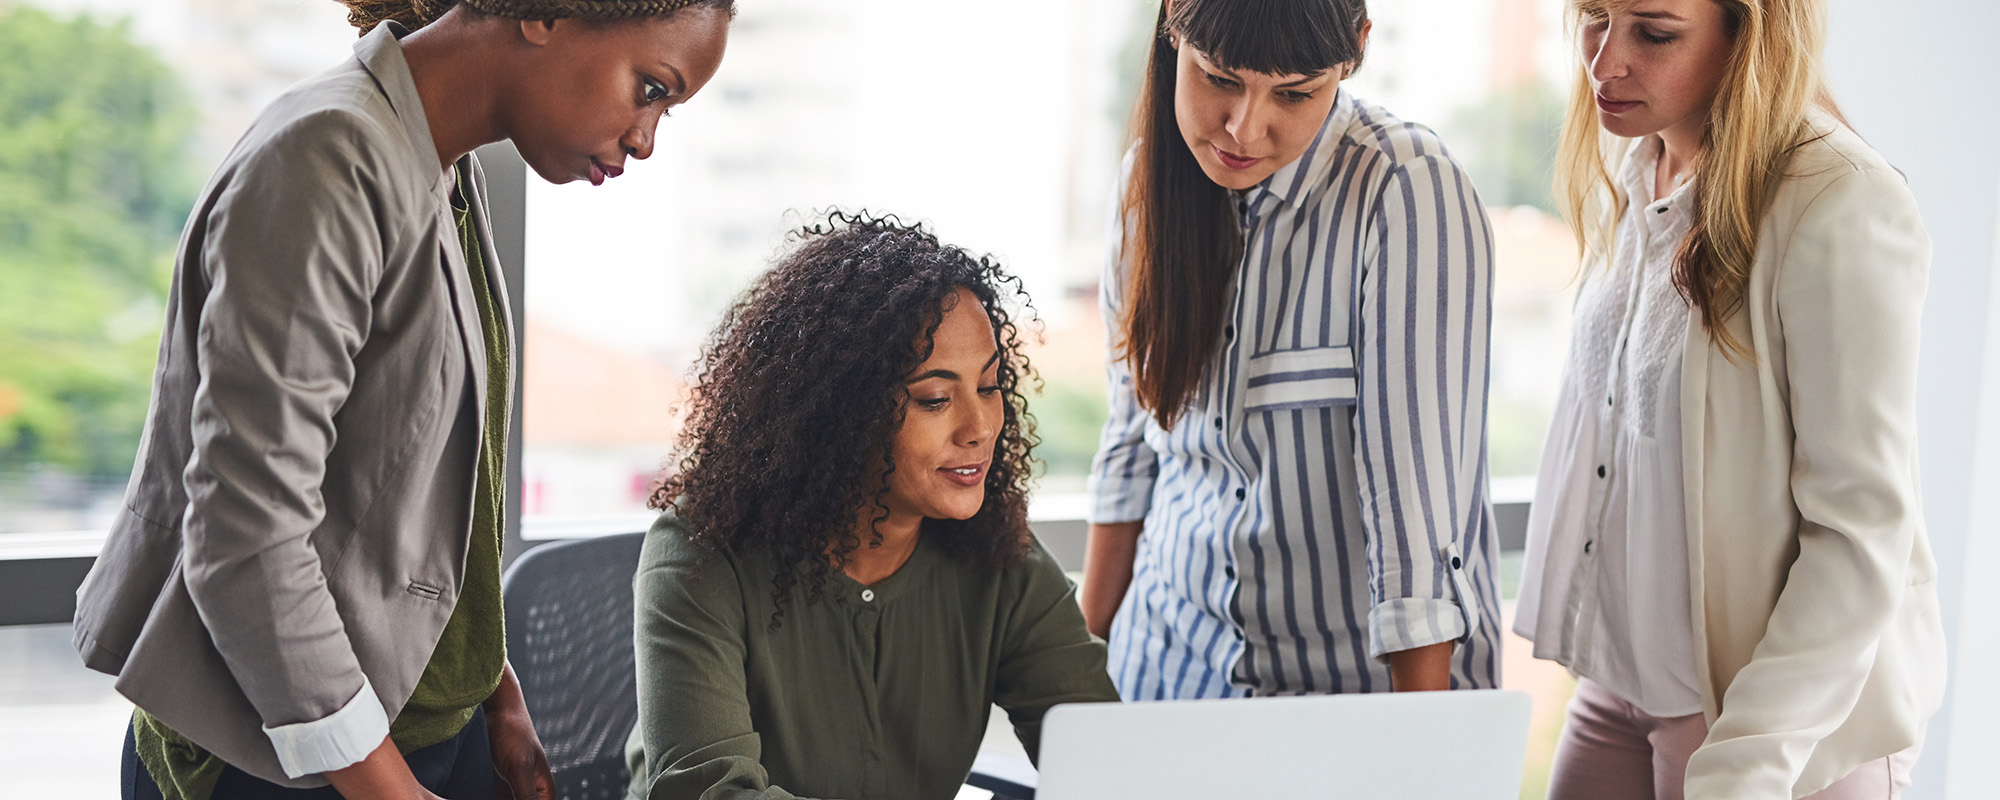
column 1036, row 576
column 675, row 568
column 1396, row 144
column 333, row 133
column 1836, row 172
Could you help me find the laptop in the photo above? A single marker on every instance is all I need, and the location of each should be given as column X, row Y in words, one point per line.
column 1460, row 745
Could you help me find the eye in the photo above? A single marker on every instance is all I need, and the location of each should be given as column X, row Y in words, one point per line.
column 931, row 403
column 1295, row 96
column 989, row 391
column 1655, row 38
column 653, row 91
column 1218, row 81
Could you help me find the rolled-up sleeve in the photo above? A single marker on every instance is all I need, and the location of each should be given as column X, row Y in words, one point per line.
column 1122, row 473
column 1419, row 423
column 291, row 255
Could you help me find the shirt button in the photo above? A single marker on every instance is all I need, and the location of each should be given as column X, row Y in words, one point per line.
column 1600, row 470
column 867, row 595
column 1586, row 547
column 1218, row 423
column 1229, row 572
column 1239, row 494
column 1455, row 562
column 1228, row 333
column 1609, row 400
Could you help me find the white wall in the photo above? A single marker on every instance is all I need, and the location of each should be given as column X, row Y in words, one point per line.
column 1918, row 79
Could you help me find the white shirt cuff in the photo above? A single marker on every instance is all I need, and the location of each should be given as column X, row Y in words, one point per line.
column 340, row 739
column 1120, row 499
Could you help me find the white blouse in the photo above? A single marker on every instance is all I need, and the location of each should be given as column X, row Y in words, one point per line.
column 1606, row 587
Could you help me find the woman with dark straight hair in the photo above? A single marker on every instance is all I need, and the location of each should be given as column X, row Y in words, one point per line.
column 1290, row 493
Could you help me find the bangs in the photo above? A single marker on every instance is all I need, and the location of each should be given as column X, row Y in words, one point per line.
column 1274, row 37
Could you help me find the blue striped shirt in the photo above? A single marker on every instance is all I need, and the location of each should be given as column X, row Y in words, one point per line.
column 1322, row 501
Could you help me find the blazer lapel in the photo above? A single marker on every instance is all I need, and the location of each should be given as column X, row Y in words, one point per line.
column 1695, row 355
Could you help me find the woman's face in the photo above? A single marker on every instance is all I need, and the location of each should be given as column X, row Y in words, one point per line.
column 591, row 94
column 1243, row 126
column 1656, row 66
column 950, row 420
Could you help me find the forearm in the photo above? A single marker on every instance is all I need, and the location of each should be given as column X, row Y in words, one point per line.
column 506, row 698
column 383, row 775
column 1107, row 572
column 1424, row 669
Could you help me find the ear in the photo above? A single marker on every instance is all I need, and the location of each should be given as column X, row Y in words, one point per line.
column 538, row 32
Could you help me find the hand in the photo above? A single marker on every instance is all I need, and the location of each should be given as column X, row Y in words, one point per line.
column 517, row 752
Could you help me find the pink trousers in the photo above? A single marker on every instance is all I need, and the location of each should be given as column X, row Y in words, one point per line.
column 1610, row 750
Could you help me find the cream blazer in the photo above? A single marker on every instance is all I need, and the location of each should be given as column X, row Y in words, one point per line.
column 1814, row 590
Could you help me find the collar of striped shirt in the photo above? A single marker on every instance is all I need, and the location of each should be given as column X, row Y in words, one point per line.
column 1292, row 182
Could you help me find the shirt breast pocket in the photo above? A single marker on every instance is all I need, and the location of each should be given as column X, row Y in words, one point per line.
column 1306, row 378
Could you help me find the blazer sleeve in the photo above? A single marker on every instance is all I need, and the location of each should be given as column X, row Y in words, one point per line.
column 1849, row 293
column 291, row 253
column 1420, row 412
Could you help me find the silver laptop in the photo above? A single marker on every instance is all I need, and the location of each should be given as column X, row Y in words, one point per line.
column 1462, row 745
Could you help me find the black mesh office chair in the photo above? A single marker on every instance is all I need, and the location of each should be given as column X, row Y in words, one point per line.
column 569, row 637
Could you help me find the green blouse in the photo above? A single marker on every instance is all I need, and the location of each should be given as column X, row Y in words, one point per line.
column 877, row 692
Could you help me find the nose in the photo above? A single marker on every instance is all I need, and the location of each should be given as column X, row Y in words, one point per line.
column 638, row 140
column 981, row 422
column 1246, row 123
column 1606, row 59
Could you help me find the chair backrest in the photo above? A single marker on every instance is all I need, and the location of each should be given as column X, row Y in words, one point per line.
column 569, row 637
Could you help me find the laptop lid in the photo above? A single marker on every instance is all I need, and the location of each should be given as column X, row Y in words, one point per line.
column 1459, row 745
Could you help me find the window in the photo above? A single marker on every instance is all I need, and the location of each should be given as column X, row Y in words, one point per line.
column 112, row 113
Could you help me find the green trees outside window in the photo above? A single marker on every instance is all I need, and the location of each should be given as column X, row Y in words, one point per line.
column 95, row 182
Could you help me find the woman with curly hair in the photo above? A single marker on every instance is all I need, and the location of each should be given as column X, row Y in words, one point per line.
column 844, row 582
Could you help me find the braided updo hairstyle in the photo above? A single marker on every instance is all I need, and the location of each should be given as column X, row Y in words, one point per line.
column 414, row 14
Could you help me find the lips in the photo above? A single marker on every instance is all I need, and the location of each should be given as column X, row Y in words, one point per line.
column 1610, row 106
column 965, row 474
column 1232, row 160
column 601, row 172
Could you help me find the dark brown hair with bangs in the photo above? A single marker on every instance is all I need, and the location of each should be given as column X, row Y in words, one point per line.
column 1184, row 245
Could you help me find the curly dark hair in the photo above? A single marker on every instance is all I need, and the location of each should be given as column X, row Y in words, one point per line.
column 801, row 390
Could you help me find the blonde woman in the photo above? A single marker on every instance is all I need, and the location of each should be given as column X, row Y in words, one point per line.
column 1727, row 546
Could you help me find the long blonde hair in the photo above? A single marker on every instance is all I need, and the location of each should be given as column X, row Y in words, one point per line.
column 1759, row 117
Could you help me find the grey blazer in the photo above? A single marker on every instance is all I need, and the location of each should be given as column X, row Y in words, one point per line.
column 296, row 525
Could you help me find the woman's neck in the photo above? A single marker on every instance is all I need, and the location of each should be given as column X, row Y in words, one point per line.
column 870, row 565
column 1678, row 150
column 451, row 61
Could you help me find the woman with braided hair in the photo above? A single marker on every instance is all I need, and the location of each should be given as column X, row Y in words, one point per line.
column 302, row 595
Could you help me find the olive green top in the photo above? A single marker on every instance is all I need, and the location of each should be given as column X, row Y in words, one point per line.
column 471, row 654
column 877, row 692
column 466, row 665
